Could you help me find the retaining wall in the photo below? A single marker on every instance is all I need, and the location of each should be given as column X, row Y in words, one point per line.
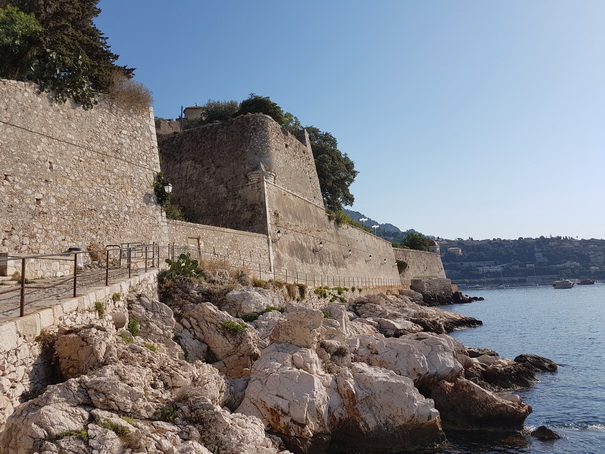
column 24, row 368
column 71, row 177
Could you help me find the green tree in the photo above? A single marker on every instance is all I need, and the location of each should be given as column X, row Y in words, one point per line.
column 416, row 241
column 72, row 58
column 20, row 35
column 214, row 111
column 261, row 104
column 336, row 172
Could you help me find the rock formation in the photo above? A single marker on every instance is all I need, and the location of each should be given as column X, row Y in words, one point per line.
column 378, row 374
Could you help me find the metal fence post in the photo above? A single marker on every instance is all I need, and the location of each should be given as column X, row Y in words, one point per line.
column 129, row 262
column 22, row 302
column 75, row 272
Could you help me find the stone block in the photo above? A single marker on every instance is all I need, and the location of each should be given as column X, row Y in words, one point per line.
column 70, row 305
column 47, row 317
column 29, row 326
column 8, row 336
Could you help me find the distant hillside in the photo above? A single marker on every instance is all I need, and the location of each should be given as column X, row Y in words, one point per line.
column 387, row 231
column 525, row 260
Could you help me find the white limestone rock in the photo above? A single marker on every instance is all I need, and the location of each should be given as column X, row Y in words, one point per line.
column 248, row 300
column 234, row 350
column 300, row 326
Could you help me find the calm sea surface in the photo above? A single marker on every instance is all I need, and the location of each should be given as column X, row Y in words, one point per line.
column 567, row 326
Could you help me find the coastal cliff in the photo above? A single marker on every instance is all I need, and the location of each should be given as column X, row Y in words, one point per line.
column 189, row 375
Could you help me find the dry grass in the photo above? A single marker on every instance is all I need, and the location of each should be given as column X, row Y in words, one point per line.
column 128, row 92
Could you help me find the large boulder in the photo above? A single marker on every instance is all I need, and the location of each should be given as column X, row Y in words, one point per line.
column 300, row 327
column 243, row 301
column 422, row 357
column 361, row 407
column 465, row 406
column 234, row 345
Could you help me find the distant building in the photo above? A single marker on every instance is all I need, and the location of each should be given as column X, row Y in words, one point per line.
column 454, row 250
column 194, row 112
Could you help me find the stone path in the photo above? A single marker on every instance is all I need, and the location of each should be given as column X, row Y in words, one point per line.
column 45, row 293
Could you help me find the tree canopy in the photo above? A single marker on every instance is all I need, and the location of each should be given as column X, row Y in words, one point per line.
column 69, row 55
column 261, row 104
column 415, row 241
column 335, row 170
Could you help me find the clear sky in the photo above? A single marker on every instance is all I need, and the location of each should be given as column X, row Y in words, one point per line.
column 466, row 118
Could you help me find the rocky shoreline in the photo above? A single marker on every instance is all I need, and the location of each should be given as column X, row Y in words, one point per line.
column 223, row 366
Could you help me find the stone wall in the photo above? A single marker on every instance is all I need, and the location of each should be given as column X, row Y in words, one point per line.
column 421, row 265
column 311, row 244
column 216, row 243
column 24, row 366
column 70, row 177
column 215, row 170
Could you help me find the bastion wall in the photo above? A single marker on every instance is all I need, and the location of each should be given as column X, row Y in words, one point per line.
column 71, row 177
column 420, row 265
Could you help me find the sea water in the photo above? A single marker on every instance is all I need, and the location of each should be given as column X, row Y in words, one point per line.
column 565, row 325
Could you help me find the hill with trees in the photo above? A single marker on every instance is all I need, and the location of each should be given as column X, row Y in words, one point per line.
column 522, row 261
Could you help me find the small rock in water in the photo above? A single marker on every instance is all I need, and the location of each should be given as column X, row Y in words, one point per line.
column 543, row 433
column 537, row 362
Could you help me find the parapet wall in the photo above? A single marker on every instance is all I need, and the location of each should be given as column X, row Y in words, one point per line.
column 420, row 265
column 71, row 177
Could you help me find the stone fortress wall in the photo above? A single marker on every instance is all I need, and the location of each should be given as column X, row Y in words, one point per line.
column 71, row 177
column 262, row 179
column 420, row 265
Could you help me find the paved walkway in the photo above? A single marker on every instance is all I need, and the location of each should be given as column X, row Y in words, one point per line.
column 45, row 293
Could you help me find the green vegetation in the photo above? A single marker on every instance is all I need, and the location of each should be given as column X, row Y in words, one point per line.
column 134, row 326
column 100, row 308
column 116, row 297
column 235, row 327
column 150, row 347
column 119, row 430
column 184, row 266
column 401, row 266
column 326, row 313
column 173, row 211
column 260, row 283
column 166, row 414
column 261, row 104
column 413, row 240
column 126, row 337
column 57, row 45
column 335, row 170
column 254, row 315
column 81, row 434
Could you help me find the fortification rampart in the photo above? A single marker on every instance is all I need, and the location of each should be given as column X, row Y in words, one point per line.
column 70, row 177
column 420, row 265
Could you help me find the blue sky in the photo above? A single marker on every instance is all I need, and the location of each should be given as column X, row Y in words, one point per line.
column 466, row 118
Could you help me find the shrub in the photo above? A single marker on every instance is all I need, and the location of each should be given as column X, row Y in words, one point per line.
column 128, row 92
column 126, row 337
column 234, row 327
column 151, row 347
column 184, row 266
column 116, row 297
column 100, row 308
column 119, row 430
column 81, row 434
column 260, row 283
column 134, row 326
column 166, row 414
column 401, row 266
column 326, row 313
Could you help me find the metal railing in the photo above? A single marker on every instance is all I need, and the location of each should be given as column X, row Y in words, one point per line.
column 118, row 258
column 260, row 270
